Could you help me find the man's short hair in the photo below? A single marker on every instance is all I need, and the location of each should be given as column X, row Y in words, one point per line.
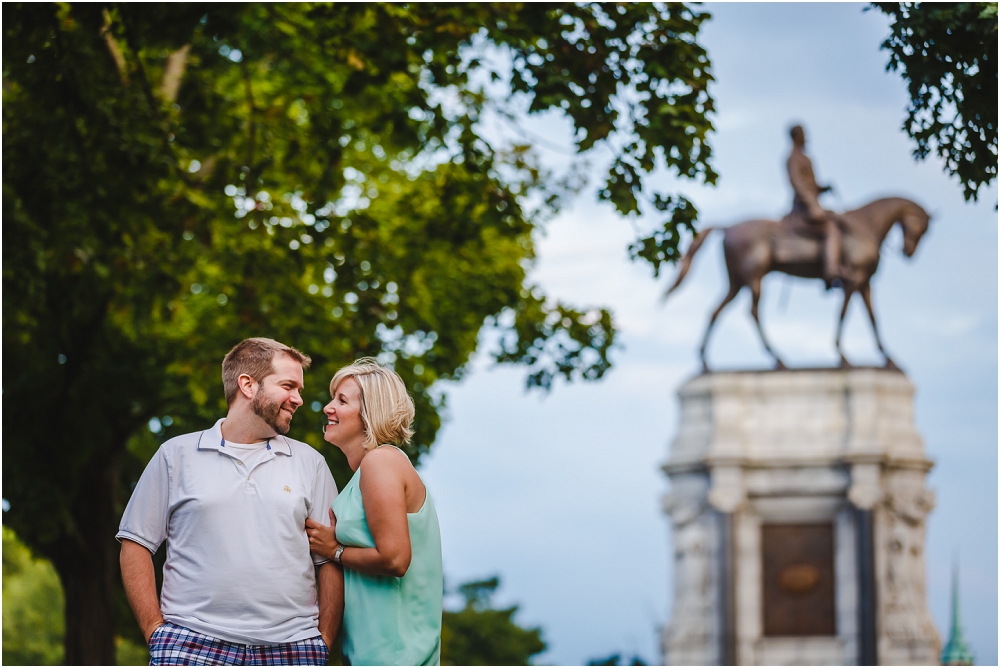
column 254, row 358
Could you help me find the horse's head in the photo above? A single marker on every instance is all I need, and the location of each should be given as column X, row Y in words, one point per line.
column 914, row 221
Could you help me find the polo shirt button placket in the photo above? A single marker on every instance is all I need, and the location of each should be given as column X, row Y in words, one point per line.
column 248, row 486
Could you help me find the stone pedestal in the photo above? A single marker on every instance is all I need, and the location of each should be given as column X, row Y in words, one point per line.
column 798, row 505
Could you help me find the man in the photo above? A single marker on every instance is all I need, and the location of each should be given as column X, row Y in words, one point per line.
column 806, row 206
column 240, row 586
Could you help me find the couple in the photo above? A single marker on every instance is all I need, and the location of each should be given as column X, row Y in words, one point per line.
column 265, row 561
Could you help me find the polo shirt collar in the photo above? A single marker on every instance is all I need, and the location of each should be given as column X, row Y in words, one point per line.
column 211, row 439
column 280, row 444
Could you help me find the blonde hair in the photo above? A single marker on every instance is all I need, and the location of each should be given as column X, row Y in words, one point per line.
column 386, row 408
column 254, row 357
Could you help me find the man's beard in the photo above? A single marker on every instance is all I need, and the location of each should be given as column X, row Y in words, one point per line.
column 270, row 413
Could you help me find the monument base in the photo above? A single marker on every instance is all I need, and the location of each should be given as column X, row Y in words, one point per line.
column 797, row 503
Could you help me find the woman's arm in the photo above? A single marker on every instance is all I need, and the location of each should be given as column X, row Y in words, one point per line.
column 383, row 492
column 322, row 539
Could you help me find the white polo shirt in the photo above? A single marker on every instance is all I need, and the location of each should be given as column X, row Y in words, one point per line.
column 238, row 562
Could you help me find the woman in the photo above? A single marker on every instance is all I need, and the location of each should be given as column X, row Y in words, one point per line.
column 384, row 527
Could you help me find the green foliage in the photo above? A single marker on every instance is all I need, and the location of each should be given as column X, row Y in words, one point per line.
column 32, row 607
column 128, row 653
column 541, row 333
column 479, row 635
column 33, row 604
column 664, row 244
column 616, row 660
column 583, row 57
column 947, row 53
column 177, row 177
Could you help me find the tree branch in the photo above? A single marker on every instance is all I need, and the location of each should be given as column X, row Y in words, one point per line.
column 173, row 73
column 114, row 49
column 252, row 125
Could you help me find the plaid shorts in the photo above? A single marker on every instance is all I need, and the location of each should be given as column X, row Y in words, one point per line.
column 172, row 645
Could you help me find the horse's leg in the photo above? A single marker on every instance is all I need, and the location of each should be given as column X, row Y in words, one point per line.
column 754, row 286
column 848, row 293
column 733, row 290
column 866, row 294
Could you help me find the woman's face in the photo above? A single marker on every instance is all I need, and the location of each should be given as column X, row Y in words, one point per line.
column 343, row 415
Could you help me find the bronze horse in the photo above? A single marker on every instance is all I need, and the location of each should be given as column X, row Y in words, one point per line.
column 756, row 247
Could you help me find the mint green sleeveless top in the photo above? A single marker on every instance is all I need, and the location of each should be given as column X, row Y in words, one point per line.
column 391, row 621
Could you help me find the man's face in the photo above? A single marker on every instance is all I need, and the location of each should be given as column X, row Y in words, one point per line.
column 278, row 396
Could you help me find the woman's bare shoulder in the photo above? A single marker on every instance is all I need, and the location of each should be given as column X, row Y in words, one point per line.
column 385, row 459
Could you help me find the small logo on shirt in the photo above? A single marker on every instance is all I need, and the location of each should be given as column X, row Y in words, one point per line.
column 287, row 488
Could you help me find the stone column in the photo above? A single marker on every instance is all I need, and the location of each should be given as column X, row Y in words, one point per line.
column 814, row 455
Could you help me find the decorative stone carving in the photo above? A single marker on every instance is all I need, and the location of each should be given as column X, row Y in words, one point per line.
column 726, row 493
column 908, row 633
column 865, row 490
column 693, row 632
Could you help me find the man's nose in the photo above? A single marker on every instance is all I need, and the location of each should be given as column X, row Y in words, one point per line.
column 296, row 398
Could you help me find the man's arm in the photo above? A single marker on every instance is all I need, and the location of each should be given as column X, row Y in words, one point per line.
column 330, row 591
column 140, row 586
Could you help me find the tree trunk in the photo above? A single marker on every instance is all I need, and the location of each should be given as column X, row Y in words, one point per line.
column 90, row 616
column 86, row 560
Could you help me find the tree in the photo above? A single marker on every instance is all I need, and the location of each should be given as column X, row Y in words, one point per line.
column 479, row 635
column 616, row 660
column 179, row 177
column 32, row 607
column 33, row 624
column 947, row 53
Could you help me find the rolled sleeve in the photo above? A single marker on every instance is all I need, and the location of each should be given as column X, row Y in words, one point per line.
column 145, row 518
column 324, row 492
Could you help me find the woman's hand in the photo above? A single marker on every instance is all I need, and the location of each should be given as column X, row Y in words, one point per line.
column 323, row 539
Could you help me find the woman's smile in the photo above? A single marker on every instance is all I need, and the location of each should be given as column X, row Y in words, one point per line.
column 344, row 425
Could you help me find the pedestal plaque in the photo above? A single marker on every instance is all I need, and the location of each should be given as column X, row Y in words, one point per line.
column 797, row 503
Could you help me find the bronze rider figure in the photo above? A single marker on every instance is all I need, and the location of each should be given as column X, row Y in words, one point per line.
column 806, row 207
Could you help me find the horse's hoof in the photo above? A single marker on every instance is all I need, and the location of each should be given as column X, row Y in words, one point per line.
column 780, row 366
column 890, row 365
column 844, row 364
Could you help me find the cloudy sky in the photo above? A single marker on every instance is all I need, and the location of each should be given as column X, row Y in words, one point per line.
column 559, row 493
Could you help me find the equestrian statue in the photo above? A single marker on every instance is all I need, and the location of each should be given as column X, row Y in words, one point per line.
column 842, row 249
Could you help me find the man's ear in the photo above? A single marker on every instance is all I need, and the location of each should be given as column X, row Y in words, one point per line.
column 247, row 384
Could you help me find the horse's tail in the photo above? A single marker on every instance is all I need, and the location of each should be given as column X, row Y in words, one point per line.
column 688, row 257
